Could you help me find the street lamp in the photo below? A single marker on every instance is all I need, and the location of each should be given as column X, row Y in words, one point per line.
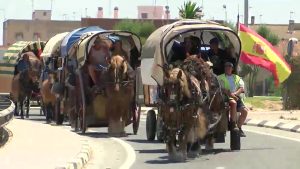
column 291, row 13
column 225, row 9
column 3, row 10
column 260, row 18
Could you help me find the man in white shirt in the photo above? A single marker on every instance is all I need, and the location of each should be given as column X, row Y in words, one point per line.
column 233, row 87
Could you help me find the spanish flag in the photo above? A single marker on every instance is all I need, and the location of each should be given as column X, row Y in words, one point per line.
column 258, row 51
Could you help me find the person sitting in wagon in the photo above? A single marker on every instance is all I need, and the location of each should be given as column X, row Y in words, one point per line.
column 98, row 59
column 23, row 64
column 233, row 87
column 180, row 51
column 217, row 56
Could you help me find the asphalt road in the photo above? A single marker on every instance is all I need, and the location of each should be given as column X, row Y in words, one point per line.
column 263, row 148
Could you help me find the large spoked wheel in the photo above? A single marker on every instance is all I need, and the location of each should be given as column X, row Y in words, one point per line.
column 235, row 140
column 151, row 125
column 82, row 111
column 160, row 134
column 136, row 119
column 59, row 115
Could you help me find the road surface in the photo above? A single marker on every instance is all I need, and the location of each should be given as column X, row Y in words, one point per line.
column 262, row 148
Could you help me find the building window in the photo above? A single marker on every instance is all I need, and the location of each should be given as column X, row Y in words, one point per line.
column 45, row 13
column 19, row 36
column 36, row 36
column 144, row 15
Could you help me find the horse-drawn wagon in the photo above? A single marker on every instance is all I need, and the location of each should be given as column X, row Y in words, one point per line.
column 184, row 92
column 52, row 61
column 12, row 65
column 97, row 92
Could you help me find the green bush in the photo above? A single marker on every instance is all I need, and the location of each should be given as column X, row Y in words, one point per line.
column 266, row 33
column 142, row 28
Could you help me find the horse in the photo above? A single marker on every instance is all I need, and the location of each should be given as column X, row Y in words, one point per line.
column 24, row 82
column 213, row 103
column 182, row 113
column 119, row 86
column 49, row 98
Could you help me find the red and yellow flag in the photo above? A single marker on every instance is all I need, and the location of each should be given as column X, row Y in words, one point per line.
column 258, row 51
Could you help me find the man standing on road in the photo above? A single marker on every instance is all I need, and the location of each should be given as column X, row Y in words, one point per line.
column 233, row 87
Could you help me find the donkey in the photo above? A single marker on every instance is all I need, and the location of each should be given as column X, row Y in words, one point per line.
column 181, row 113
column 119, row 88
column 49, row 98
column 24, row 82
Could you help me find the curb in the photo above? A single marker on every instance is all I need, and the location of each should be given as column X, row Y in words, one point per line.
column 274, row 125
column 81, row 159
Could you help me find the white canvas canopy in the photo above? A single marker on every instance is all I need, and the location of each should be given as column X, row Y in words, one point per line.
column 53, row 44
column 158, row 45
column 87, row 41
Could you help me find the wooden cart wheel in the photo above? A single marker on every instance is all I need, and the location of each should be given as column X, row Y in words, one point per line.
column 151, row 125
column 83, row 110
column 59, row 116
column 136, row 119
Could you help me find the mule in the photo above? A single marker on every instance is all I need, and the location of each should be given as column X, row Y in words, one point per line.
column 49, row 98
column 182, row 113
column 24, row 82
column 119, row 88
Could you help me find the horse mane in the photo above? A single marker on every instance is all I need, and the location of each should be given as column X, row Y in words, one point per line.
column 202, row 67
column 118, row 61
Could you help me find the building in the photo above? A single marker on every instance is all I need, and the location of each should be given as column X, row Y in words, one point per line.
column 151, row 12
column 109, row 23
column 28, row 30
column 41, row 15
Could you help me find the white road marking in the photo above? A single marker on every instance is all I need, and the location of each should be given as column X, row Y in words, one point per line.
column 273, row 135
column 220, row 167
column 131, row 157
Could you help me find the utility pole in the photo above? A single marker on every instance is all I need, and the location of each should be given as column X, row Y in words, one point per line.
column 246, row 8
column 32, row 5
column 225, row 9
column 51, row 5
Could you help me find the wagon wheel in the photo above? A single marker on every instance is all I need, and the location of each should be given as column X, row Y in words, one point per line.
column 82, row 114
column 59, row 115
column 151, row 125
column 136, row 118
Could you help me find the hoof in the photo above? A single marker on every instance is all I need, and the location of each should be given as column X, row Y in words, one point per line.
column 177, row 157
column 22, row 117
column 193, row 154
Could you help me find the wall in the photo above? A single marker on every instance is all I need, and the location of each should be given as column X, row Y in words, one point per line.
column 42, row 28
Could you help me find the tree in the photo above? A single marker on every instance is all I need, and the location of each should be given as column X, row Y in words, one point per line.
column 266, row 33
column 189, row 10
column 142, row 29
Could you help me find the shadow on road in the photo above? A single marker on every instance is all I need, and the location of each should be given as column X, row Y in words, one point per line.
column 142, row 141
column 155, row 151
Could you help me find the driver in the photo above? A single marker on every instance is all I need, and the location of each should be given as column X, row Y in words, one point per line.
column 98, row 59
column 23, row 64
column 233, row 87
column 216, row 56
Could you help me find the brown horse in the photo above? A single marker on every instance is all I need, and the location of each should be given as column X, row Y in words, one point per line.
column 24, row 82
column 181, row 113
column 213, row 102
column 119, row 87
column 48, row 97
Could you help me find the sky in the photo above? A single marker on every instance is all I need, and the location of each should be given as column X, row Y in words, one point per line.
column 265, row 11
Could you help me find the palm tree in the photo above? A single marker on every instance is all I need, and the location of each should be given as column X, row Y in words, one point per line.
column 190, row 10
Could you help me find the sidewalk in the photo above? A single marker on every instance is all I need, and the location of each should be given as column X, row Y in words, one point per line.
column 284, row 120
column 38, row 146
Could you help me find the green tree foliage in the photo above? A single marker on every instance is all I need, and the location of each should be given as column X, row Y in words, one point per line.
column 291, row 96
column 266, row 33
column 142, row 29
column 189, row 10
